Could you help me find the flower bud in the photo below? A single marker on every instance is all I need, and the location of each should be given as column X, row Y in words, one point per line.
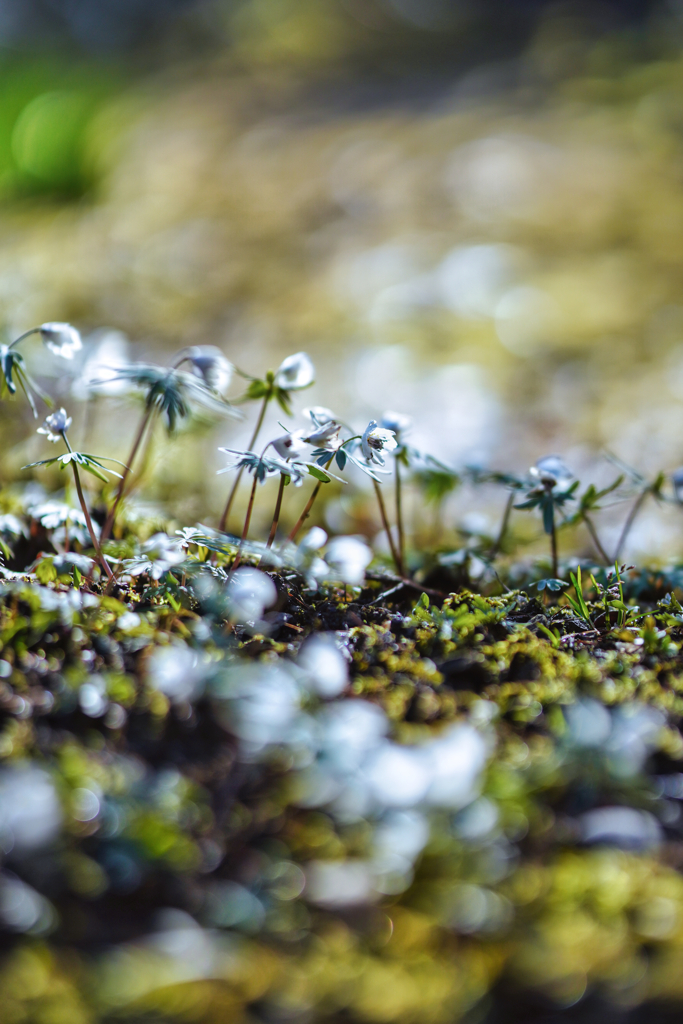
column 295, row 372
column 62, row 339
column 209, row 363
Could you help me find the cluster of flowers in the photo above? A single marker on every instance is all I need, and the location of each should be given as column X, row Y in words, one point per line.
column 200, row 376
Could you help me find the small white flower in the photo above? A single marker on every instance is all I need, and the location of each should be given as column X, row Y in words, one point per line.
column 56, row 424
column 396, row 422
column 326, row 436
column 315, row 539
column 551, row 472
column 348, row 557
column 250, row 592
column 295, row 372
column 289, row 446
column 375, row 440
column 62, row 339
column 159, row 554
column 325, row 665
column 177, row 671
column 209, row 363
column 319, row 415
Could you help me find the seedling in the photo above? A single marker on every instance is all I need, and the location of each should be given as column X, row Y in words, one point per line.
column 552, row 491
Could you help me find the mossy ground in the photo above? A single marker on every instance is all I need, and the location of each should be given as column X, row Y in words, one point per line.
column 527, row 918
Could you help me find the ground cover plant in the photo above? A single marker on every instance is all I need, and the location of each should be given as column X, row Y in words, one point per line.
column 289, row 778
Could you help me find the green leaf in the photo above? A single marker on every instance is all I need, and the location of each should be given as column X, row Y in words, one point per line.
column 77, row 576
column 552, row 636
column 579, row 605
column 318, row 474
column 92, row 467
column 282, row 399
column 257, row 389
column 45, row 571
column 436, row 483
column 551, row 584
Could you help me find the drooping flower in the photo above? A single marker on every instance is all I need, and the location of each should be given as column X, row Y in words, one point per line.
column 172, row 392
column 397, row 423
column 348, row 557
column 375, row 440
column 290, row 445
column 56, row 424
column 325, row 436
column 62, row 339
column 209, row 363
column 551, row 473
column 295, row 372
column 319, row 415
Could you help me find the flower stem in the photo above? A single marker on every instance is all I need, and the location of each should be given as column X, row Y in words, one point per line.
column 637, row 505
column 276, row 513
column 309, row 505
column 553, row 547
column 590, row 526
column 231, row 497
column 109, row 522
column 399, row 512
column 498, row 542
column 385, row 523
column 26, row 334
column 88, row 521
column 245, row 530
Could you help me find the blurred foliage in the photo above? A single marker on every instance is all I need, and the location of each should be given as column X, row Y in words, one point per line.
column 162, row 863
column 47, row 104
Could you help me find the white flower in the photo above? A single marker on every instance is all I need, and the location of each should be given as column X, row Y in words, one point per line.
column 552, row 472
column 30, row 811
column 348, row 558
column 177, row 671
column 396, row 422
column 314, row 539
column 319, row 415
column 289, row 446
column 375, row 440
column 325, row 665
column 250, row 592
column 209, row 363
column 325, row 436
column 295, row 372
column 52, row 514
column 62, row 339
column 55, row 425
column 159, row 554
